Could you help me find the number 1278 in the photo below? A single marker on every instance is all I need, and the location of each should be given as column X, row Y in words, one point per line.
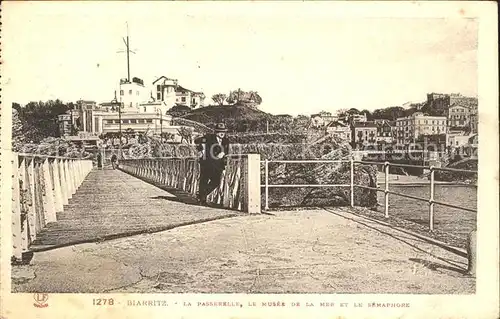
column 103, row 301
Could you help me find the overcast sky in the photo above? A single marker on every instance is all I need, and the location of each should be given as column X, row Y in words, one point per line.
column 300, row 57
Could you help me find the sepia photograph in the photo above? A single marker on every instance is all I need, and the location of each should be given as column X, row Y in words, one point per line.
column 241, row 149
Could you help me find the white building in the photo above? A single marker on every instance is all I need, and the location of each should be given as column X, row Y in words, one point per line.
column 323, row 118
column 458, row 116
column 459, row 140
column 164, row 89
column 169, row 92
column 133, row 93
column 409, row 129
column 189, row 98
column 340, row 130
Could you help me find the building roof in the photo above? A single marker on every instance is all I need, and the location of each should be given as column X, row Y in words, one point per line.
column 85, row 102
column 182, row 89
column 164, row 78
column 336, row 123
column 367, row 124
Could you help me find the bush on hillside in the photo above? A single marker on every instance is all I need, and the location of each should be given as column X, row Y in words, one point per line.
column 54, row 146
column 252, row 138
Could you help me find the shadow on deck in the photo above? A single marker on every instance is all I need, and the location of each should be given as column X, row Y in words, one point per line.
column 112, row 204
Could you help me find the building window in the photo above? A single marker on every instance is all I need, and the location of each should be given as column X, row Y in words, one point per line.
column 117, row 121
column 158, row 96
column 133, row 121
column 121, row 92
column 130, row 104
column 194, row 101
column 183, row 99
column 140, row 121
column 145, row 109
column 158, row 88
column 125, row 121
column 129, row 92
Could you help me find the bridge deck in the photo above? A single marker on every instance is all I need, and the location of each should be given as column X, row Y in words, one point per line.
column 112, row 203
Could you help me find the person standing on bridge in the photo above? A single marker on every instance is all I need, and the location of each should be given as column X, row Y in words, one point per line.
column 99, row 160
column 212, row 152
column 114, row 161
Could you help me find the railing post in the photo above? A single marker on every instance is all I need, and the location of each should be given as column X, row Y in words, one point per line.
column 352, row 181
column 17, row 234
column 73, row 175
column 431, row 201
column 58, row 201
column 78, row 173
column 64, row 182
column 252, row 186
column 472, row 252
column 23, row 192
column 50, row 212
column 386, row 191
column 266, row 181
column 32, row 196
column 67, row 177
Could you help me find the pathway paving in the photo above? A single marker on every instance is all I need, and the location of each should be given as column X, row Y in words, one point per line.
column 316, row 251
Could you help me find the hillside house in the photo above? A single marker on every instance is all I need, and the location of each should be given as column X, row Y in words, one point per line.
column 363, row 133
column 322, row 119
column 189, row 98
column 410, row 128
column 384, row 132
column 339, row 130
column 459, row 116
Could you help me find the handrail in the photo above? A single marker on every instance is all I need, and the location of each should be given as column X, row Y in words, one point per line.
column 236, row 190
column 386, row 190
column 42, row 186
column 306, row 161
column 448, row 169
column 51, row 156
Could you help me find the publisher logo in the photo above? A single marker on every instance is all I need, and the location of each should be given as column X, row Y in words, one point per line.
column 41, row 300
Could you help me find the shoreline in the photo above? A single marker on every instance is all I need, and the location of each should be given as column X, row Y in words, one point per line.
column 408, row 180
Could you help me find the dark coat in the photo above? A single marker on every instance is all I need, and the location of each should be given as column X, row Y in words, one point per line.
column 208, row 143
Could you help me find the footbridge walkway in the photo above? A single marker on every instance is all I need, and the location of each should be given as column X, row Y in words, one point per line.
column 64, row 201
column 61, row 201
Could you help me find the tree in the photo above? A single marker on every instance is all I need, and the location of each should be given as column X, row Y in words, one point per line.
column 179, row 110
column 219, row 98
column 40, row 119
column 167, row 136
column 368, row 115
column 239, row 97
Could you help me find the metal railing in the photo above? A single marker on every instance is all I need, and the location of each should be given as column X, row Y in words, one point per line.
column 266, row 185
column 432, row 202
column 236, row 190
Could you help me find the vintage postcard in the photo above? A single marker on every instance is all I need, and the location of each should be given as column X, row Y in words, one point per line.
column 249, row 159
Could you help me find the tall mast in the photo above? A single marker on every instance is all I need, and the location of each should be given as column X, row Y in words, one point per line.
column 128, row 57
column 126, row 40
